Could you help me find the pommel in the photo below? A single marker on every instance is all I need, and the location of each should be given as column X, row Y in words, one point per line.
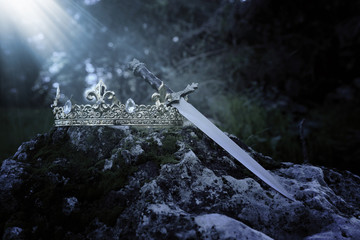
column 135, row 66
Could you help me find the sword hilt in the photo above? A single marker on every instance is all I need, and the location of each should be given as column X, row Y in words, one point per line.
column 139, row 69
column 170, row 96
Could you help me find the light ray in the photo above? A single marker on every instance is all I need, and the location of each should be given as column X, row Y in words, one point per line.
column 47, row 25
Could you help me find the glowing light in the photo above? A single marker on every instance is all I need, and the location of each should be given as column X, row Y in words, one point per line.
column 91, row 2
column 47, row 25
column 30, row 16
column 25, row 10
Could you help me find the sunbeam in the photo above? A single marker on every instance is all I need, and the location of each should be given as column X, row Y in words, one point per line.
column 46, row 25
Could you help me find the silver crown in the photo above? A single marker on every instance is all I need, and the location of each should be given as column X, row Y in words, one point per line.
column 115, row 113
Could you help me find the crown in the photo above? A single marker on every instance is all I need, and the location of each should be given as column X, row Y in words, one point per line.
column 107, row 110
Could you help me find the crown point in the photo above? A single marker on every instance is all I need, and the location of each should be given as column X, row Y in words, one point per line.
column 130, row 106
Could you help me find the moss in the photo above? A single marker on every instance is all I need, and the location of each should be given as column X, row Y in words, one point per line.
column 85, row 180
column 128, row 144
column 146, row 156
column 110, row 135
column 90, row 138
column 161, row 154
column 109, row 216
column 115, row 178
column 58, row 170
column 157, row 159
column 169, row 143
column 166, row 160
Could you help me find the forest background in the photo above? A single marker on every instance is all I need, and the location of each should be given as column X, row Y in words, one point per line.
column 283, row 76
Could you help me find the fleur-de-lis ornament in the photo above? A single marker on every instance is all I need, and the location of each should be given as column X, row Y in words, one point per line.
column 100, row 94
column 161, row 96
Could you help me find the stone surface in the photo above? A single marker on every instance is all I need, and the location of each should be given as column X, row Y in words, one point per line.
column 69, row 205
column 215, row 225
column 127, row 183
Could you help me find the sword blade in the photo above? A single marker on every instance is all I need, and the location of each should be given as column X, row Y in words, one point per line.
column 199, row 120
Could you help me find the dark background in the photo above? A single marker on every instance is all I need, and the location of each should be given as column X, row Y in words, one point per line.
column 262, row 66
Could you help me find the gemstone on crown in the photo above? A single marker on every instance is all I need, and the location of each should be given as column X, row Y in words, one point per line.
column 130, row 106
column 67, row 107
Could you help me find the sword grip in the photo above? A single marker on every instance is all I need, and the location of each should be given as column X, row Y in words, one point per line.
column 139, row 69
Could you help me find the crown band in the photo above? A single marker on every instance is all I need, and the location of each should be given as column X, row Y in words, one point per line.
column 143, row 116
column 102, row 113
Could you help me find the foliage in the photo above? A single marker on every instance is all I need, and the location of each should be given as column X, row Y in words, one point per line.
column 267, row 131
column 19, row 125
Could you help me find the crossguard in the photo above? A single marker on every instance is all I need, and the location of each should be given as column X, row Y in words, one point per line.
column 166, row 98
column 175, row 96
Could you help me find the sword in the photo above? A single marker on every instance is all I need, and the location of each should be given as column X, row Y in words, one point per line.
column 205, row 125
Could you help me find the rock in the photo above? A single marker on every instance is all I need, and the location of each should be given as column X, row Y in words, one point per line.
column 136, row 151
column 128, row 183
column 70, row 204
column 10, row 179
column 10, row 174
column 108, row 164
column 217, row 226
column 13, row 233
